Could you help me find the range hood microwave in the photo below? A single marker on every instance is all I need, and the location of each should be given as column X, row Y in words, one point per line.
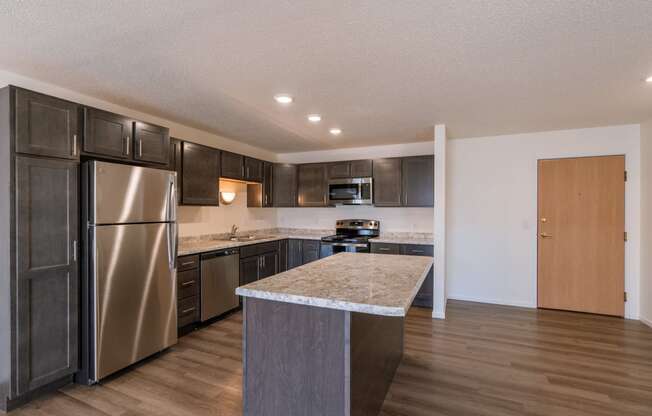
column 354, row 191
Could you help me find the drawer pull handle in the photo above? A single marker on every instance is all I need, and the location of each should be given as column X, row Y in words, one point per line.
column 417, row 251
column 188, row 283
column 383, row 249
column 187, row 263
column 186, row 311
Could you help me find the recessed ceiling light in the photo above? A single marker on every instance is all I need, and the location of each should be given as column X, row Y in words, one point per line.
column 314, row 118
column 283, row 98
column 649, row 79
column 335, row 131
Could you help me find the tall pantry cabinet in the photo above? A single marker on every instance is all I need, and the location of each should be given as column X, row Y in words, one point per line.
column 39, row 250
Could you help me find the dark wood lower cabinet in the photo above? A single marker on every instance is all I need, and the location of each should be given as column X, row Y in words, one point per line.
column 295, row 253
column 310, row 250
column 188, row 292
column 424, row 297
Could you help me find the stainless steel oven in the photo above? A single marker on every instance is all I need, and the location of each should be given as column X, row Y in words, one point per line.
column 354, row 191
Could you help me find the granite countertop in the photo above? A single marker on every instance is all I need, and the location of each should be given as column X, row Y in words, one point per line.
column 402, row 240
column 378, row 284
column 202, row 246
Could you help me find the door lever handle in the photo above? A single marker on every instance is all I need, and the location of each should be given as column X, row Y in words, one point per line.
column 545, row 235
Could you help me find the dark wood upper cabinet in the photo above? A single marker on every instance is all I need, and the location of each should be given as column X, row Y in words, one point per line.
column 352, row 169
column 46, row 126
column 200, row 175
column 419, row 181
column 151, row 143
column 174, row 163
column 362, row 168
column 232, row 166
column 312, row 185
column 338, row 170
column 253, row 169
column 107, row 134
column 47, row 271
column 284, row 185
column 268, row 184
column 387, row 182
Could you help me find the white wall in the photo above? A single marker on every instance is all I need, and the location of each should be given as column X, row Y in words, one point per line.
column 492, row 210
column 646, row 222
column 391, row 219
column 195, row 221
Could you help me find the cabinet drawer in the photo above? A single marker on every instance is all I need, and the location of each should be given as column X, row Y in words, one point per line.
column 187, row 283
column 187, row 263
column 188, row 311
column 248, row 251
column 417, row 249
column 267, row 247
column 385, row 248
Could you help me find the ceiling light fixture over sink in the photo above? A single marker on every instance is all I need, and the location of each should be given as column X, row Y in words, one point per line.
column 284, row 99
column 314, row 118
column 335, row 131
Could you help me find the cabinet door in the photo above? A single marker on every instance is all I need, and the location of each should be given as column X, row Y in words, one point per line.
column 253, row 169
column 419, row 181
column 46, row 126
column 424, row 297
column 295, row 253
column 232, row 165
column 200, row 181
column 174, row 164
column 282, row 256
column 338, row 170
column 47, row 287
column 387, row 182
column 268, row 265
column 312, row 185
column 249, row 269
column 268, row 185
column 151, row 143
column 107, row 134
column 311, row 250
column 362, row 168
column 284, row 185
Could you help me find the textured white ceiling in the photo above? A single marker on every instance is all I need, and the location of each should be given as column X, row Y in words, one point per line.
column 382, row 70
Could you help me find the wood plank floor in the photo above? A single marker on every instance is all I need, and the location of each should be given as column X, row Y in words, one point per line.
column 482, row 360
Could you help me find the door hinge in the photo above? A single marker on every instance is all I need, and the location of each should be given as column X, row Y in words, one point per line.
column 625, row 176
column 625, row 236
column 625, row 296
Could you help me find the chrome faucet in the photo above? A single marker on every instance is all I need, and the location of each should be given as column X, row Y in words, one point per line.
column 234, row 231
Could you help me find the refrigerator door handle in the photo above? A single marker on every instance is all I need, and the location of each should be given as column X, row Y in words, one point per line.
column 172, row 202
column 172, row 245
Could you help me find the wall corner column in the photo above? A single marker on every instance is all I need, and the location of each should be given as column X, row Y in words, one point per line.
column 439, row 291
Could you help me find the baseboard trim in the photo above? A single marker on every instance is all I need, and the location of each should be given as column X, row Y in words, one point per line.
column 646, row 321
column 492, row 301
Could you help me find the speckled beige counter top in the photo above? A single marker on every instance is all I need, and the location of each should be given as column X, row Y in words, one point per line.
column 402, row 240
column 187, row 247
column 378, row 284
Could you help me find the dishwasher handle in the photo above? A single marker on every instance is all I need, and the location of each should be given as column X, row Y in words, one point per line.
column 228, row 252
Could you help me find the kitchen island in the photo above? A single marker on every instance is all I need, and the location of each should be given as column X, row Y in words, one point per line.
column 326, row 338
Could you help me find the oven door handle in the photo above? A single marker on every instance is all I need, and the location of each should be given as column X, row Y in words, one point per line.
column 346, row 244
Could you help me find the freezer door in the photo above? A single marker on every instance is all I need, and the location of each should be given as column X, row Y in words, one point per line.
column 135, row 299
column 121, row 194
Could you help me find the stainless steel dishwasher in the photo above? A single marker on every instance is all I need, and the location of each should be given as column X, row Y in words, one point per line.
column 220, row 276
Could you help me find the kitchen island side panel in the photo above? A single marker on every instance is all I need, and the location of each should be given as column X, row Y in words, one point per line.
column 294, row 359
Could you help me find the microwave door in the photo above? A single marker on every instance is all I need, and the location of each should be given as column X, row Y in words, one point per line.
column 343, row 192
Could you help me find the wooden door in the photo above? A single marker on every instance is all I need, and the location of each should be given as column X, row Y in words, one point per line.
column 47, row 289
column 268, row 265
column 419, row 181
column 387, row 182
column 151, row 143
column 282, row 256
column 46, row 126
column 310, row 250
column 284, row 185
column 581, row 227
column 312, row 185
column 253, row 169
column 107, row 134
column 232, row 165
column 268, row 185
column 200, row 181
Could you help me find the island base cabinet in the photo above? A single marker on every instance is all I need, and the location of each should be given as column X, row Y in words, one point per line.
column 326, row 361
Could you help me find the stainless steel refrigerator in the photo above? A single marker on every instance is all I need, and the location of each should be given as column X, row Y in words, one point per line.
column 131, row 254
